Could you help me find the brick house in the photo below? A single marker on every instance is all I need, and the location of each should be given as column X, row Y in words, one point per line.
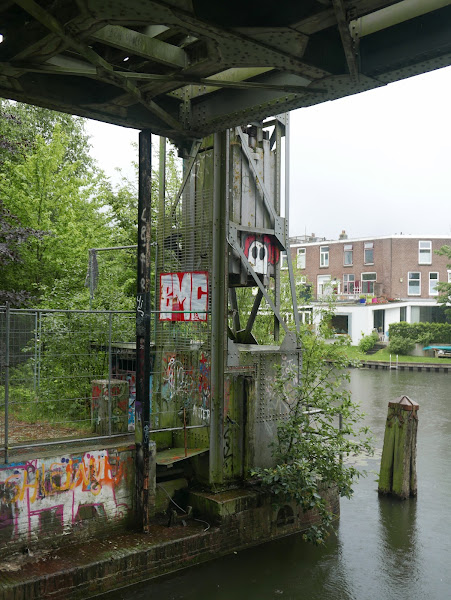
column 404, row 268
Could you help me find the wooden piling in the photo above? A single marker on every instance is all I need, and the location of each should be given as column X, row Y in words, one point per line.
column 397, row 475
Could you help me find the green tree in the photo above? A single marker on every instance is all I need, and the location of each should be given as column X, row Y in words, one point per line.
column 321, row 432
column 444, row 288
column 48, row 193
column 22, row 124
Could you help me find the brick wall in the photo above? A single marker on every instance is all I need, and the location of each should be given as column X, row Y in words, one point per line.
column 393, row 259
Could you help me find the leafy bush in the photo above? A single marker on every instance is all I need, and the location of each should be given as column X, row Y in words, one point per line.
column 311, row 448
column 422, row 333
column 401, row 345
column 368, row 342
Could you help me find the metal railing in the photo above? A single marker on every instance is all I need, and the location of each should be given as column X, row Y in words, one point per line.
column 65, row 375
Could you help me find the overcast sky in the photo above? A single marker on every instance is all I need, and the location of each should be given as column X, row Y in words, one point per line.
column 376, row 163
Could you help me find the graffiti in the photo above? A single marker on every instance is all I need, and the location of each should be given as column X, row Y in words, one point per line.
column 105, row 395
column 201, row 413
column 261, row 251
column 204, row 382
column 178, row 382
column 184, row 292
column 187, row 385
column 228, row 423
column 228, row 452
column 56, row 493
column 130, row 377
column 140, row 306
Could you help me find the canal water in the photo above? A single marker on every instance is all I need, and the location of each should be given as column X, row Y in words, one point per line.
column 384, row 549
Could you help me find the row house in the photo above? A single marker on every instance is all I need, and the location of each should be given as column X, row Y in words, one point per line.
column 375, row 271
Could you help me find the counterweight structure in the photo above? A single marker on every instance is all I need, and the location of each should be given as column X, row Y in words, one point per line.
column 211, row 385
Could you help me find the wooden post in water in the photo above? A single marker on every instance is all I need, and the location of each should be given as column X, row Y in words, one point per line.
column 398, row 475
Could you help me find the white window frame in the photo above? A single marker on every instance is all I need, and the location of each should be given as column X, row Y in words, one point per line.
column 362, row 281
column 284, row 260
column 433, row 291
column 323, row 256
column 348, row 282
column 449, row 276
column 322, row 282
column 424, row 253
column 409, row 279
column 301, row 258
column 347, row 250
column 368, row 246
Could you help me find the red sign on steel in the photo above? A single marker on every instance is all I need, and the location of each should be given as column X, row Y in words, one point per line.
column 184, row 296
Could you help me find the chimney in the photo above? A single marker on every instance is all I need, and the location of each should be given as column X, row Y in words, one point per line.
column 343, row 235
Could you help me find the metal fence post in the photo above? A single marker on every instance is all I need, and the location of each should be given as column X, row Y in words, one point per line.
column 35, row 351
column 8, row 324
column 110, row 369
column 39, row 352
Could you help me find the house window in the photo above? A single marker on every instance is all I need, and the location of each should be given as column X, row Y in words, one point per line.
column 403, row 313
column 348, row 283
column 324, row 256
column 368, row 253
column 414, row 283
column 433, row 280
column 424, row 253
column 284, row 260
column 322, row 285
column 300, row 259
column 368, row 281
column 347, row 256
column 449, row 276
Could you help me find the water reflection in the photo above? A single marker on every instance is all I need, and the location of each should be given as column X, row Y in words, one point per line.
column 398, row 558
column 385, row 549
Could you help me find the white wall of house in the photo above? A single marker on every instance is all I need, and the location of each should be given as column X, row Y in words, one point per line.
column 361, row 316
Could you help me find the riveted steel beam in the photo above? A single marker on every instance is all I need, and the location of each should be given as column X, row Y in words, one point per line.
column 140, row 44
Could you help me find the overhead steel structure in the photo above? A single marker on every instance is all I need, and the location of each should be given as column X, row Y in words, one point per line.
column 187, row 68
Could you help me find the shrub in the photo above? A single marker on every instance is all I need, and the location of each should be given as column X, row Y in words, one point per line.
column 368, row 342
column 401, row 345
column 422, row 333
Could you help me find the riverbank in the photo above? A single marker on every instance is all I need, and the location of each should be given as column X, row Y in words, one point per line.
column 407, row 366
column 383, row 359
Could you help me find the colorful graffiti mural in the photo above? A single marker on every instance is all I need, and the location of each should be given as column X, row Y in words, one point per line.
column 57, row 493
column 184, row 292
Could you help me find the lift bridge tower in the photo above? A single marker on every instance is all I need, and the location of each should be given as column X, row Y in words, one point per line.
column 212, row 398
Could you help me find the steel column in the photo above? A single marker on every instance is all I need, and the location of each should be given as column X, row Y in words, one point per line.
column 287, row 220
column 219, row 288
column 142, row 403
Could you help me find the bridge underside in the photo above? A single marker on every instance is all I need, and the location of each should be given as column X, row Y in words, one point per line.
column 186, row 68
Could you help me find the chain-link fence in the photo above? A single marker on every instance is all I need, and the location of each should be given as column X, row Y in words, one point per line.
column 65, row 375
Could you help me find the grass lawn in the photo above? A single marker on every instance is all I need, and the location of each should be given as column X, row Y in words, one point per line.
column 384, row 356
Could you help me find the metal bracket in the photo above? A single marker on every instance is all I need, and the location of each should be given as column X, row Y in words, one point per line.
column 280, row 231
column 233, row 357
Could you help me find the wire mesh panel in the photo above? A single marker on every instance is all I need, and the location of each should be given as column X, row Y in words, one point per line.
column 181, row 369
column 63, row 375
